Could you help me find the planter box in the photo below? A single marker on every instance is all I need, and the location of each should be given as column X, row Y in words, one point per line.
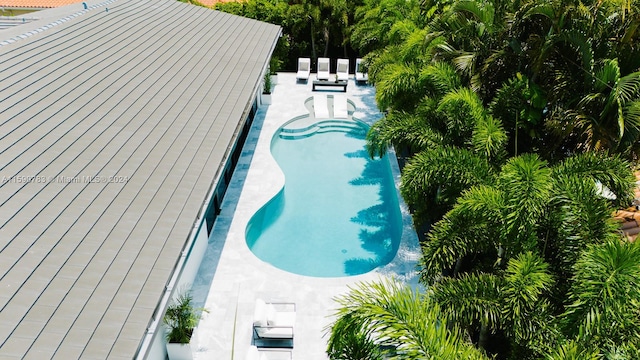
column 179, row 351
column 266, row 99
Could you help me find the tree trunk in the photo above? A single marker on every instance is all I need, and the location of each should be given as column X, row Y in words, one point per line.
column 516, row 140
column 314, row 55
column 326, row 41
column 456, row 269
column 484, row 336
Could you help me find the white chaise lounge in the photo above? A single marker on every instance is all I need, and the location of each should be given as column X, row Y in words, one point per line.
column 361, row 76
column 320, row 107
column 323, row 69
column 273, row 324
column 340, row 107
column 342, row 69
column 304, row 69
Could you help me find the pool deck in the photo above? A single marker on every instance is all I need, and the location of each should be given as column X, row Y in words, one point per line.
column 231, row 278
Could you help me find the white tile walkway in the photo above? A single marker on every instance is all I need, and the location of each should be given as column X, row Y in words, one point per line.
column 231, row 277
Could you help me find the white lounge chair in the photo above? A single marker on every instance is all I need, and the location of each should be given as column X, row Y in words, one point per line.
column 361, row 76
column 340, row 107
column 273, row 323
column 323, row 69
column 342, row 69
column 320, row 107
column 304, row 69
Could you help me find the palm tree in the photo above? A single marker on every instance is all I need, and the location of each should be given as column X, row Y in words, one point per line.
column 519, row 104
column 530, row 76
column 529, row 206
column 487, row 241
column 604, row 309
column 378, row 23
column 572, row 48
column 500, row 218
column 417, row 128
column 513, row 301
column 607, row 116
column 390, row 319
column 473, row 32
column 451, row 140
column 433, row 179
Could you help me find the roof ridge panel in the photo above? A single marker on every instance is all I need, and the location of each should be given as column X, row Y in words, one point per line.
column 55, row 22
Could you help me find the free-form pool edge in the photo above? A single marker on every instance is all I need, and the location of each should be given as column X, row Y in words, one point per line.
column 274, row 248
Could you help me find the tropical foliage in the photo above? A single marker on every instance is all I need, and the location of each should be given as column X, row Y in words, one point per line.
column 508, row 115
column 386, row 320
column 311, row 28
column 598, row 318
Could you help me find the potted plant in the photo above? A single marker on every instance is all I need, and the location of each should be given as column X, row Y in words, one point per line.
column 181, row 319
column 274, row 67
column 266, row 90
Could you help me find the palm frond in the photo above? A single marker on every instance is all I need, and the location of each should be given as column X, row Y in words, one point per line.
column 472, row 226
column 470, row 299
column 482, row 12
column 462, row 109
column 404, row 323
column 434, row 178
column 397, row 85
column 489, row 138
column 526, row 181
column 526, row 311
column 573, row 350
column 613, row 172
column 628, row 87
column 441, row 78
column 404, row 131
column 605, row 291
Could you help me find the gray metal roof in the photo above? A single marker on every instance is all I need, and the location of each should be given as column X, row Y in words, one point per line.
column 113, row 124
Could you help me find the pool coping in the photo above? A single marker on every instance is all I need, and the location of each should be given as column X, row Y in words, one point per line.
column 232, row 278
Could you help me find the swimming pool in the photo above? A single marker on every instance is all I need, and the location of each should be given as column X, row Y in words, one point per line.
column 338, row 213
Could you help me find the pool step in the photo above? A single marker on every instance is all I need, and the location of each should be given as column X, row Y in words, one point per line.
column 322, row 127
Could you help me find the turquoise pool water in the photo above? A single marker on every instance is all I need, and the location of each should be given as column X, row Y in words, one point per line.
column 338, row 212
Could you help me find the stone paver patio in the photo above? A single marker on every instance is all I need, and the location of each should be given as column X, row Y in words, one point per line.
column 231, row 278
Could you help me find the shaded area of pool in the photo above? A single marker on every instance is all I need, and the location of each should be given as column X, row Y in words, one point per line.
column 338, row 213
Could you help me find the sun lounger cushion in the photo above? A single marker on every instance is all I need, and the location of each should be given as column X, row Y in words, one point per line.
column 340, row 109
column 342, row 70
column 323, row 69
column 320, row 107
column 283, row 319
column 275, row 332
column 271, row 315
column 260, row 313
column 304, row 68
